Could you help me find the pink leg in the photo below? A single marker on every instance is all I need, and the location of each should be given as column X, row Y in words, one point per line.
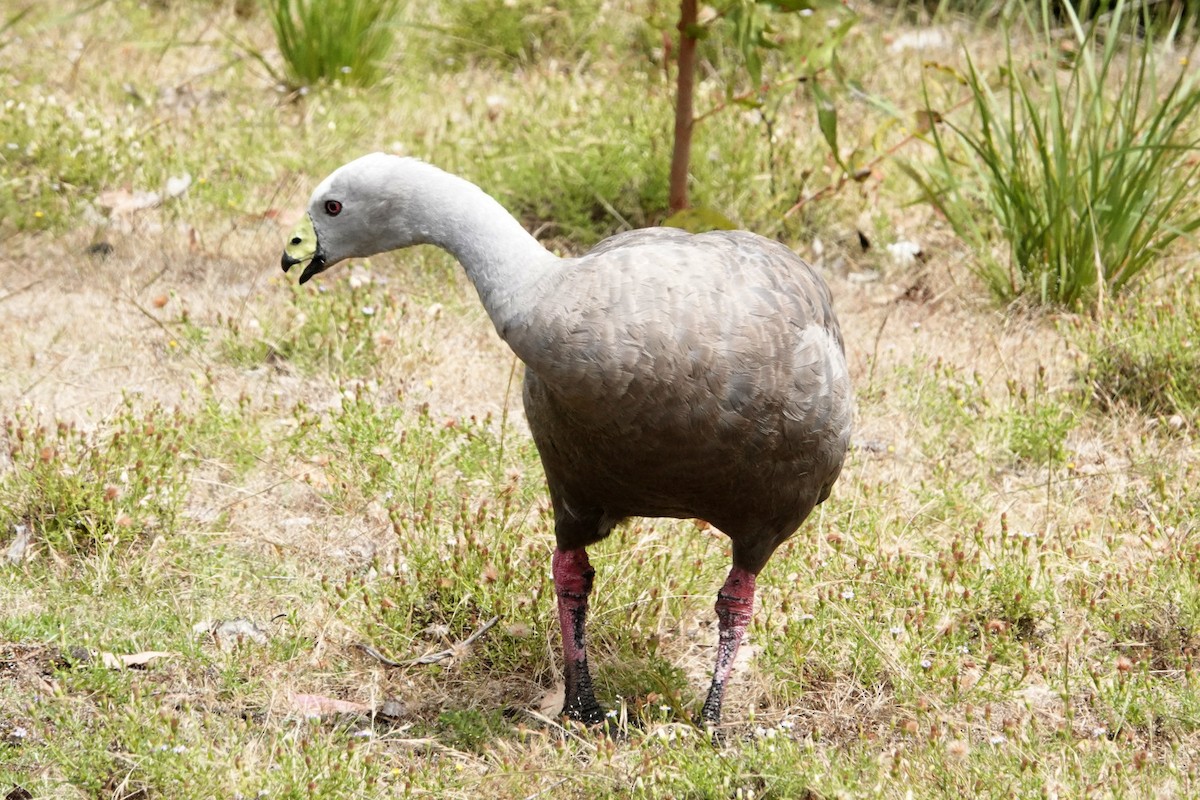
column 573, row 583
column 735, row 605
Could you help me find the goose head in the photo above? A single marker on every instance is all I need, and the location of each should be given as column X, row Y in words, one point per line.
column 358, row 211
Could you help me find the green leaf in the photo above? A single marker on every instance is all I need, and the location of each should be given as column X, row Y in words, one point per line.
column 827, row 119
column 753, row 65
column 823, row 52
column 748, row 35
column 875, row 101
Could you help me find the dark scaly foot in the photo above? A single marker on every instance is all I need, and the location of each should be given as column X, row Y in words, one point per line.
column 735, row 606
column 573, row 576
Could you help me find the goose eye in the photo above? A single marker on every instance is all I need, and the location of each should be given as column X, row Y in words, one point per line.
column 333, row 208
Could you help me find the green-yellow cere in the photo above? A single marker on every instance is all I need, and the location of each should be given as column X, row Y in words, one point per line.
column 302, row 244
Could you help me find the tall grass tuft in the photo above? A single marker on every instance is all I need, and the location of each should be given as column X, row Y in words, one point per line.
column 334, row 40
column 1072, row 178
column 1145, row 353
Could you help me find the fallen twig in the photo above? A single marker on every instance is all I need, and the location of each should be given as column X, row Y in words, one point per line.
column 430, row 658
column 378, row 656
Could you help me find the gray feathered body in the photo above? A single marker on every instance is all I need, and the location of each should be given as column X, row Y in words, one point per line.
column 679, row 375
column 667, row 375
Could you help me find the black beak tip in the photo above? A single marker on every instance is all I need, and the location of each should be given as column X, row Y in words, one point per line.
column 287, row 262
column 315, row 267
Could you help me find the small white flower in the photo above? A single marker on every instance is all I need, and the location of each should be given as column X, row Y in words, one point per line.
column 664, row 709
column 611, row 714
column 787, row 724
column 998, row 739
column 926, row 663
column 1027, row 534
column 847, row 594
column 964, row 649
column 179, row 748
column 1100, row 732
column 345, row 70
column 365, row 733
column 896, row 630
column 368, row 311
column 19, row 732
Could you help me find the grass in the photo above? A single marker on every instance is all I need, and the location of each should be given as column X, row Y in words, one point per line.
column 345, row 40
column 516, row 33
column 998, row 600
column 1072, row 180
column 1143, row 353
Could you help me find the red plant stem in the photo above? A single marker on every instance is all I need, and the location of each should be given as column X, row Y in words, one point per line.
column 684, row 89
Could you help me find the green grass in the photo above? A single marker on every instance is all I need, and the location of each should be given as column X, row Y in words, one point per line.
column 998, row 600
column 1073, row 176
column 1143, row 353
column 83, row 493
column 347, row 41
column 875, row 663
column 519, row 32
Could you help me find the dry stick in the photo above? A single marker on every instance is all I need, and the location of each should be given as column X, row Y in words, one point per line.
column 746, row 95
column 550, row 723
column 685, row 87
column 188, row 351
column 875, row 349
column 846, row 177
column 46, row 374
column 549, row 788
column 868, row 168
column 430, row 658
column 450, row 652
column 512, row 372
column 378, row 656
column 23, row 289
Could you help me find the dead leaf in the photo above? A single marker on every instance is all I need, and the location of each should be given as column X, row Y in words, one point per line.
column 315, row 705
column 231, row 633
column 926, row 119
column 392, row 708
column 552, row 701
column 20, row 543
column 143, row 659
column 122, row 202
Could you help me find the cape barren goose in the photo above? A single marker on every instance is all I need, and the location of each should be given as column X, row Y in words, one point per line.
column 666, row 375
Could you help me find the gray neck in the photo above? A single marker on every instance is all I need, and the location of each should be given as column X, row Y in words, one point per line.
column 501, row 258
